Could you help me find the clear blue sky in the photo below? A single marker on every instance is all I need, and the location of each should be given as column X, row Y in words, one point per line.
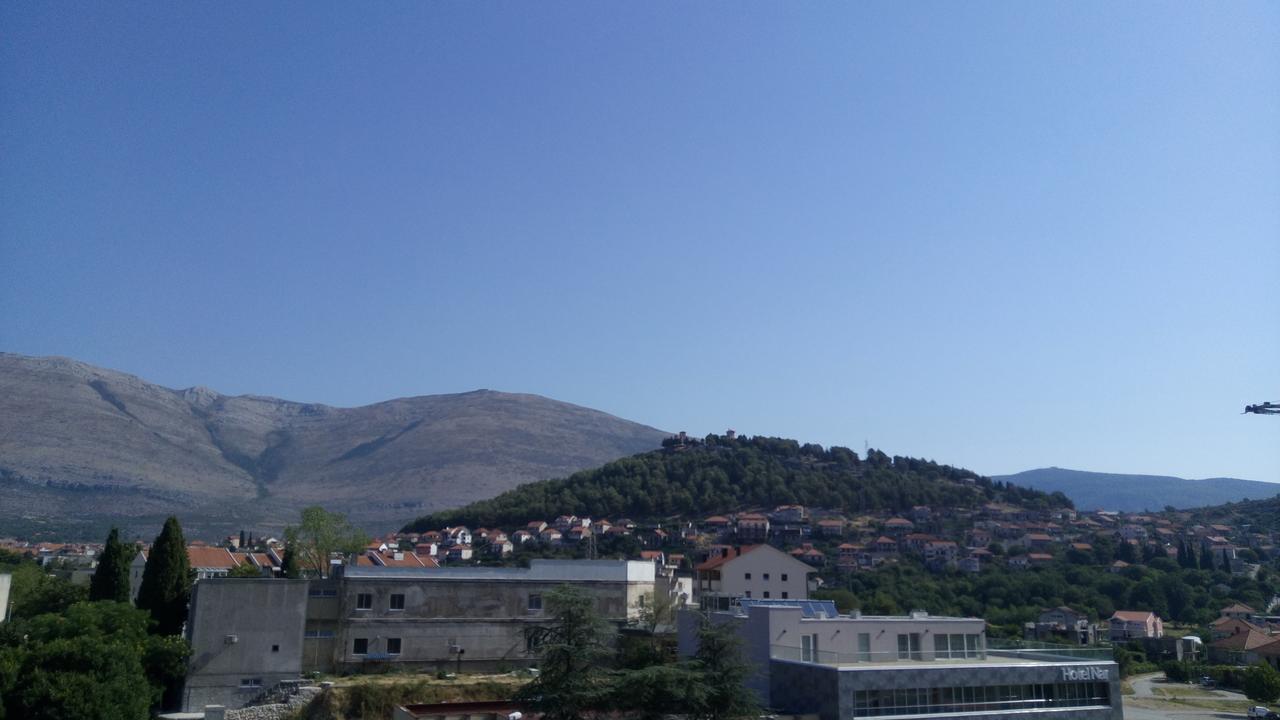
column 998, row 235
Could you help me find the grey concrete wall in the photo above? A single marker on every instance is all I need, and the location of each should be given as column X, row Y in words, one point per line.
column 487, row 619
column 241, row 629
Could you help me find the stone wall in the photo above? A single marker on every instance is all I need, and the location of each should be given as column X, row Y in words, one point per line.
column 276, row 710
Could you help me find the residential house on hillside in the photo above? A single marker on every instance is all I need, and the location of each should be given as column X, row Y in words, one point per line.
column 1241, row 648
column 1062, row 623
column 786, row 514
column 1239, row 611
column 457, row 536
column 1225, row 627
column 940, row 554
column 898, row 527
column 1134, row 624
column 751, row 571
column 831, row 527
column 752, row 528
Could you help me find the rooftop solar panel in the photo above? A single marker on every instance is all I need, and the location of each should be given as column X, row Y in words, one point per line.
column 808, row 608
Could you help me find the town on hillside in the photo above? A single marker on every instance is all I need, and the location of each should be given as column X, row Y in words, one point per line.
column 381, row 606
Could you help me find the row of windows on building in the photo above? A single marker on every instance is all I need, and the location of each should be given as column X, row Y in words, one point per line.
column 945, row 647
column 764, row 576
column 395, row 601
column 394, row 646
column 765, row 594
column 360, row 646
column 912, row 701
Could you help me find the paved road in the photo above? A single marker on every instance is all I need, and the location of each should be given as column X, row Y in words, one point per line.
column 1143, row 691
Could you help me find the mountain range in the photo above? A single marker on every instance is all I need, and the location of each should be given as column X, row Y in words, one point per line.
column 1136, row 493
column 82, row 446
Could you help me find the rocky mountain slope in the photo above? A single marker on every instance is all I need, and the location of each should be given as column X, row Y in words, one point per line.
column 1136, row 493
column 82, row 444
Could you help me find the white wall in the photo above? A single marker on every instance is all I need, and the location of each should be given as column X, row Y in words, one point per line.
column 765, row 560
column 5, row 581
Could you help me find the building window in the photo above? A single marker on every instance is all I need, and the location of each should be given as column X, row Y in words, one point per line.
column 250, row 682
column 766, row 577
column 275, row 648
column 748, row 593
column 784, row 577
column 397, row 601
column 864, row 647
column 747, row 576
column 766, row 594
column 784, row 594
column 364, row 601
column 909, row 646
column 535, row 603
column 393, row 646
column 809, row 647
column 360, row 646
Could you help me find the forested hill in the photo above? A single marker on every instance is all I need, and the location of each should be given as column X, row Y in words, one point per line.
column 1259, row 515
column 719, row 474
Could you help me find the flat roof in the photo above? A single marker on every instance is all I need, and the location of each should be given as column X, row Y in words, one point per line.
column 538, row 571
column 972, row 663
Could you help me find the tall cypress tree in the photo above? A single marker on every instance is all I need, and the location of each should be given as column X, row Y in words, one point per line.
column 111, row 578
column 166, row 582
column 1206, row 559
column 289, row 563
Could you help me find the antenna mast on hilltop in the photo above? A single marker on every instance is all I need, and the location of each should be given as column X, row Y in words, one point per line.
column 1266, row 408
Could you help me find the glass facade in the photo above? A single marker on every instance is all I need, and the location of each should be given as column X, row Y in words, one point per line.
column 912, row 701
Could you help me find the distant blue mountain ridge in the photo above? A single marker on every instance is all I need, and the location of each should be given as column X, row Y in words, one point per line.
column 1137, row 493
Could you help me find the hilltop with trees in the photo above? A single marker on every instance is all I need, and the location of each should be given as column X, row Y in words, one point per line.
column 721, row 473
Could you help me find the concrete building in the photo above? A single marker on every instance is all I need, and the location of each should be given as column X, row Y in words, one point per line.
column 1135, row 625
column 473, row 616
column 810, row 660
column 751, row 571
column 246, row 636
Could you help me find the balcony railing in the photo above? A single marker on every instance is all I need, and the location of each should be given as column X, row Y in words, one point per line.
column 1030, row 650
column 831, row 657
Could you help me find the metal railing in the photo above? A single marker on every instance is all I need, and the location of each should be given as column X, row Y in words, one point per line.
column 831, row 657
column 1031, row 650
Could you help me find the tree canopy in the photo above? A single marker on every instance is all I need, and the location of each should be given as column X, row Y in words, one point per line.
column 166, row 580
column 320, row 534
column 722, row 474
column 111, row 578
column 92, row 660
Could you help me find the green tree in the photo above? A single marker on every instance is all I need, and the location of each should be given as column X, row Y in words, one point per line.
column 723, row 673
column 93, row 660
column 34, row 592
column 571, row 681
column 289, row 564
column 1262, row 683
column 111, row 578
column 319, row 535
column 657, row 691
column 245, row 570
column 166, row 580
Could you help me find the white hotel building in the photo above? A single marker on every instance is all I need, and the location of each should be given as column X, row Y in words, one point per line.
column 811, row 660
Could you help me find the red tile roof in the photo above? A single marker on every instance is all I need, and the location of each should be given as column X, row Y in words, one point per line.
column 733, row 553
